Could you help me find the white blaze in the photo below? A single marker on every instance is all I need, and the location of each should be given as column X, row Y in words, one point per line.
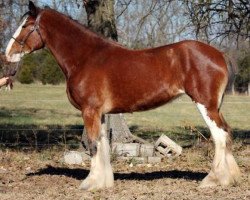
column 17, row 56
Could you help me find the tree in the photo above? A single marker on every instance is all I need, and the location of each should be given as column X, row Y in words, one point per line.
column 144, row 24
column 48, row 70
column 25, row 74
column 219, row 19
column 100, row 16
column 40, row 66
column 242, row 78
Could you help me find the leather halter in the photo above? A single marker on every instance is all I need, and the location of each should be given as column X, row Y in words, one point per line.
column 34, row 28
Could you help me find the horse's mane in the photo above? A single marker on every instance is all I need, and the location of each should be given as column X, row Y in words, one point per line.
column 84, row 28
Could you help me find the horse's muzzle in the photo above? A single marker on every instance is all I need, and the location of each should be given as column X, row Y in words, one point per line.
column 10, row 72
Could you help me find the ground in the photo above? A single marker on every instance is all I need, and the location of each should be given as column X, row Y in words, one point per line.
column 32, row 125
column 42, row 175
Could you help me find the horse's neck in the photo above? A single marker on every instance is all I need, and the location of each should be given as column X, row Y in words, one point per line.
column 69, row 42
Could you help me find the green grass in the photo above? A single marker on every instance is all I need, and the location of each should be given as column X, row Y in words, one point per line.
column 38, row 105
column 46, row 107
column 183, row 112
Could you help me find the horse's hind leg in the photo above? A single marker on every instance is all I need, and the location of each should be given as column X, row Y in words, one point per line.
column 101, row 173
column 224, row 170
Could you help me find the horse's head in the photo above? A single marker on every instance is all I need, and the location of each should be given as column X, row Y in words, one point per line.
column 27, row 37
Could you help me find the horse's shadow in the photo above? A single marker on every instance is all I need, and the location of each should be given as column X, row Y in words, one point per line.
column 80, row 174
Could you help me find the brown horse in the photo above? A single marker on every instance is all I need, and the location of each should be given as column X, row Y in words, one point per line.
column 104, row 77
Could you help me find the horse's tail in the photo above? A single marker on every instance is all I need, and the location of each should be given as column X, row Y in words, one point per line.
column 232, row 68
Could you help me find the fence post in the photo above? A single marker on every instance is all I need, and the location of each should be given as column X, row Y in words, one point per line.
column 233, row 90
column 248, row 89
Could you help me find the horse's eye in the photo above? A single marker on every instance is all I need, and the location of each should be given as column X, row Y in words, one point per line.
column 24, row 26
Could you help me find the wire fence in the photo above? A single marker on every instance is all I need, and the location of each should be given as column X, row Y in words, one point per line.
column 35, row 138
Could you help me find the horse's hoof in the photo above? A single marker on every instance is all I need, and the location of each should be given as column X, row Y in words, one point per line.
column 89, row 185
column 84, row 186
column 213, row 179
column 93, row 184
column 209, row 181
column 206, row 184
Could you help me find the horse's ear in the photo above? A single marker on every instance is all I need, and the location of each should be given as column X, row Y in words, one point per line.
column 33, row 9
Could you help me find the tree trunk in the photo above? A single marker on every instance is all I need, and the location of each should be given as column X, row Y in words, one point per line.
column 101, row 19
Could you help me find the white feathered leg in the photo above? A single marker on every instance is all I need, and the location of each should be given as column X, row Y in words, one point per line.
column 101, row 173
column 224, row 170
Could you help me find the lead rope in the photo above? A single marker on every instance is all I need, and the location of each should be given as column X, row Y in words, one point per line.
column 12, row 75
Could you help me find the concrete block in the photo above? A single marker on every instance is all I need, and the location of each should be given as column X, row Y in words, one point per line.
column 146, row 150
column 140, row 160
column 154, row 159
column 127, row 149
column 167, row 147
column 73, row 158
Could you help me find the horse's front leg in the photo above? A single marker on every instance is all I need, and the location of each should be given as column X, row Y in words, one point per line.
column 101, row 173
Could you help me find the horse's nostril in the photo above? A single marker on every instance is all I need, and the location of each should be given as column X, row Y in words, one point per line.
column 13, row 73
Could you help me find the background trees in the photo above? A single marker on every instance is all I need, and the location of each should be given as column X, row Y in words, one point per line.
column 40, row 66
column 220, row 20
column 242, row 79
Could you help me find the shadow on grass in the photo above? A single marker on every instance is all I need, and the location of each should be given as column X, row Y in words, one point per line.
column 186, row 136
column 33, row 137
column 81, row 174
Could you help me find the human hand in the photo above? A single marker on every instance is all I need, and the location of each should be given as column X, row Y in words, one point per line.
column 4, row 81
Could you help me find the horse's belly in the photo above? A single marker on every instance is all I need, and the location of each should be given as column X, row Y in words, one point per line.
column 151, row 102
column 143, row 102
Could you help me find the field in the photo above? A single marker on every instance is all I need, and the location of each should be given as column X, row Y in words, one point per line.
column 31, row 166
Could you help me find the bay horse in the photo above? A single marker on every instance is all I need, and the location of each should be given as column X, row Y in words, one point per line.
column 105, row 77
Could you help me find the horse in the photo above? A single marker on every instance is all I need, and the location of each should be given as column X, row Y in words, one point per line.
column 103, row 77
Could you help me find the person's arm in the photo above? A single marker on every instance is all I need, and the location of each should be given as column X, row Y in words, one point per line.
column 3, row 81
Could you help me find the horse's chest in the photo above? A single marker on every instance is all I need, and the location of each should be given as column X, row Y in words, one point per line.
column 73, row 99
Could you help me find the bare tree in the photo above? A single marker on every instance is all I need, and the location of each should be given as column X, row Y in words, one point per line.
column 219, row 19
column 150, row 23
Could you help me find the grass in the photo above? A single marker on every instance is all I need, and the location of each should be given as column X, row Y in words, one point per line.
column 46, row 107
column 38, row 105
column 183, row 112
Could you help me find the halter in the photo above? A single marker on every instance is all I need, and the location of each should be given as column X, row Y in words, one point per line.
column 23, row 42
column 34, row 28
